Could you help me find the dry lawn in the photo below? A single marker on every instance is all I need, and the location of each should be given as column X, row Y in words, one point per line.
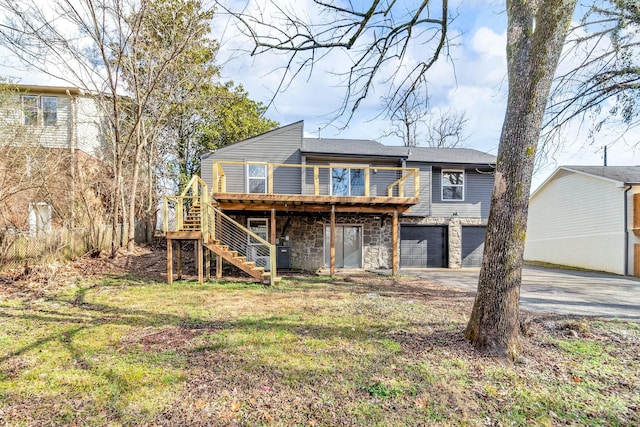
column 106, row 342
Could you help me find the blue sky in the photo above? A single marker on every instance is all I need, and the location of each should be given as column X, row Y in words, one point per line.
column 472, row 80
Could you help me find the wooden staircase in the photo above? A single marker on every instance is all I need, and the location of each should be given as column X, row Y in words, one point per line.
column 241, row 262
column 193, row 222
column 194, row 219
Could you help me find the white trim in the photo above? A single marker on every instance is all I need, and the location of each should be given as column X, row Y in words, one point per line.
column 442, row 172
column 39, row 219
column 349, row 167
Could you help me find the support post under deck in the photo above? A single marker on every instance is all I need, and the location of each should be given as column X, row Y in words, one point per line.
column 332, row 261
column 169, row 261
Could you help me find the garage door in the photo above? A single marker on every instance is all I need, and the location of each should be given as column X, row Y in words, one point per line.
column 472, row 246
column 423, row 246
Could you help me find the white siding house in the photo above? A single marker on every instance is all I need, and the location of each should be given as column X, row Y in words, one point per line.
column 583, row 216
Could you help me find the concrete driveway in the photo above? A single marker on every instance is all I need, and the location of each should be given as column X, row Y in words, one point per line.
column 558, row 291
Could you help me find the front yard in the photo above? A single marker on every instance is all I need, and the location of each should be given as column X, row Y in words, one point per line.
column 116, row 348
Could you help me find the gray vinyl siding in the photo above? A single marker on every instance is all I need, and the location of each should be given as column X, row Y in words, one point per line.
column 477, row 195
column 424, row 207
column 279, row 146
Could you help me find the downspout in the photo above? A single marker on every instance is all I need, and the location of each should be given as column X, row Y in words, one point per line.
column 626, row 229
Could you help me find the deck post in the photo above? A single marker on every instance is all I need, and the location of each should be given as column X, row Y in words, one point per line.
column 198, row 255
column 207, row 263
column 394, row 244
column 218, row 267
column 273, row 227
column 179, row 259
column 169, row 261
column 332, row 261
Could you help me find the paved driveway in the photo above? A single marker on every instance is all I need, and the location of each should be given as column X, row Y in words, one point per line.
column 558, row 291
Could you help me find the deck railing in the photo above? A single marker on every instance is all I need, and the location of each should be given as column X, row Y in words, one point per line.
column 226, row 231
column 318, row 180
column 194, row 194
column 216, row 226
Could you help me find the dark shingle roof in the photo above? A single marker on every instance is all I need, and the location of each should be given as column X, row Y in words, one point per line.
column 345, row 146
column 624, row 174
column 363, row 147
column 450, row 155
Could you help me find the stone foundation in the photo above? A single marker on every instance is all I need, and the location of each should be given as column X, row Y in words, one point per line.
column 306, row 237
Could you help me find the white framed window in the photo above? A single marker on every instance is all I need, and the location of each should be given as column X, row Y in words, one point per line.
column 49, row 110
column 39, row 110
column 346, row 181
column 29, row 109
column 257, row 178
column 452, row 185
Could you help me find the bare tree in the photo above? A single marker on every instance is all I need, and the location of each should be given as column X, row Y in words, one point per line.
column 446, row 129
column 408, row 119
column 600, row 78
column 83, row 43
column 379, row 30
column 379, row 35
column 415, row 124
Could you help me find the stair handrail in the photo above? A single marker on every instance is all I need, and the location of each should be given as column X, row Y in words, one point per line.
column 250, row 234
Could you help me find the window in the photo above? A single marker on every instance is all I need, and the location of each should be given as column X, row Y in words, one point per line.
column 257, row 178
column 29, row 109
column 258, row 226
column 44, row 106
column 452, row 185
column 49, row 110
column 347, row 182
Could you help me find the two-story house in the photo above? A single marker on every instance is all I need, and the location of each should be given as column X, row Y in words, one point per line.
column 52, row 139
column 340, row 203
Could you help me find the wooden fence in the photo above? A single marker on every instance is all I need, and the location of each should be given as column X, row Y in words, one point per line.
column 18, row 249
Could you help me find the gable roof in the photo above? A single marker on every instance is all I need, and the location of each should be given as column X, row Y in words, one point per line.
column 622, row 174
column 275, row 131
column 619, row 175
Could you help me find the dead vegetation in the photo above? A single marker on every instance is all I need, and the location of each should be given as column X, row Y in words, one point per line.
column 106, row 341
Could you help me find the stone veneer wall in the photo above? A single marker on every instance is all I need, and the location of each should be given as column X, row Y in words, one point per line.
column 454, row 226
column 306, row 239
column 306, row 236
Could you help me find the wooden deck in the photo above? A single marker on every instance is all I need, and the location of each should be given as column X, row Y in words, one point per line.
column 311, row 203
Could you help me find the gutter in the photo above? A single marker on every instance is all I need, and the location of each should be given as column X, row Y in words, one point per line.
column 626, row 230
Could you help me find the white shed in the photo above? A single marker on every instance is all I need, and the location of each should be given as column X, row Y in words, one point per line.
column 588, row 217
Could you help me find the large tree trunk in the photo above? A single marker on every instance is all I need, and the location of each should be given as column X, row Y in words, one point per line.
column 536, row 33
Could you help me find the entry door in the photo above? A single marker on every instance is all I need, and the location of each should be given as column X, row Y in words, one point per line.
column 348, row 246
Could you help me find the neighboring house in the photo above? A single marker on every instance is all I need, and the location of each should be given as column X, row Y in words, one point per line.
column 51, row 150
column 588, row 217
column 297, row 192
